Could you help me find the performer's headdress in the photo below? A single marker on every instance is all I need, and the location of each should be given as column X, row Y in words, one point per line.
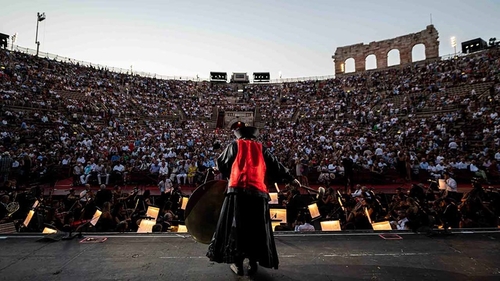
column 241, row 130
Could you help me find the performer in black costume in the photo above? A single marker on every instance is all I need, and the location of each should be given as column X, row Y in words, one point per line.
column 244, row 228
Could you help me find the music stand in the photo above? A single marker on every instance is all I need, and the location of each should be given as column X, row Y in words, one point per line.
column 48, row 230
column 95, row 217
column 181, row 228
column 28, row 218
column 333, row 225
column 152, row 212
column 275, row 223
column 382, row 225
column 79, row 228
column 184, row 201
column 442, row 184
column 278, row 214
column 274, row 198
column 367, row 214
column 314, row 211
column 147, row 223
column 146, row 226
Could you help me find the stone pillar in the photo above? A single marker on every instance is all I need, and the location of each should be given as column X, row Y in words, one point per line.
column 382, row 58
column 431, row 42
column 359, row 63
column 405, row 55
column 431, row 50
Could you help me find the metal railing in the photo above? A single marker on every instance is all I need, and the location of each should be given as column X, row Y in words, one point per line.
column 113, row 69
column 29, row 51
column 187, row 78
column 298, row 79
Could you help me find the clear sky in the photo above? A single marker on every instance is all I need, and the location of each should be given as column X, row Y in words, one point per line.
column 192, row 37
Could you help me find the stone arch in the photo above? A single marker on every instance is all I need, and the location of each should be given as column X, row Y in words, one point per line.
column 418, row 52
column 349, row 65
column 393, row 57
column 371, row 62
column 428, row 37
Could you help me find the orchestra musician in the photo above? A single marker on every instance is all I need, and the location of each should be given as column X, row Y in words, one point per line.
column 121, row 217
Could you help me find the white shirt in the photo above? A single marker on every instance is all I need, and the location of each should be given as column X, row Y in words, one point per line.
column 304, row 227
column 473, row 168
column 163, row 170
column 119, row 168
column 401, row 224
column 453, row 145
column 461, row 165
column 451, row 185
column 357, row 193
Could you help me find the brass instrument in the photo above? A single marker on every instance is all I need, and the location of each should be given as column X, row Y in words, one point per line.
column 13, row 206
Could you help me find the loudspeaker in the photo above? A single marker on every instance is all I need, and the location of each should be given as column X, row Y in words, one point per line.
column 261, row 77
column 3, row 40
column 473, row 45
column 218, row 76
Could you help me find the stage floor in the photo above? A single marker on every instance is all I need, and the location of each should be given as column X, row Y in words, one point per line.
column 311, row 256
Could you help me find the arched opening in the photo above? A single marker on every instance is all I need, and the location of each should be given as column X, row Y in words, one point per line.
column 350, row 65
column 393, row 57
column 418, row 53
column 371, row 62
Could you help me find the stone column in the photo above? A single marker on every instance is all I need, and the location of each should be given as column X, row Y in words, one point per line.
column 431, row 50
column 405, row 55
column 359, row 62
column 382, row 58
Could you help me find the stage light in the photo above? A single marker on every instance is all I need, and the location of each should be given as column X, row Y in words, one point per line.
column 40, row 17
column 454, row 44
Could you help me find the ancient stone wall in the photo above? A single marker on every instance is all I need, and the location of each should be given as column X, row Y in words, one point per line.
column 359, row 52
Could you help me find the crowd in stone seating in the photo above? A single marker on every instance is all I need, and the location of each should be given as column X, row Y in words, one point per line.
column 101, row 127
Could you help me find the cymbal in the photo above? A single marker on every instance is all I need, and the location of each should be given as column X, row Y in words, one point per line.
column 203, row 209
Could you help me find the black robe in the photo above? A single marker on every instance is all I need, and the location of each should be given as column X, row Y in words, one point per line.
column 244, row 228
